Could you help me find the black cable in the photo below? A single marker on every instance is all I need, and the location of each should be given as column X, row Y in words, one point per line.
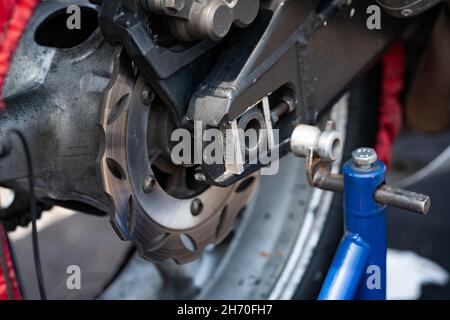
column 33, row 212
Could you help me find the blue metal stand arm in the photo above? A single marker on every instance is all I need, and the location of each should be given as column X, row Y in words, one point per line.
column 347, row 268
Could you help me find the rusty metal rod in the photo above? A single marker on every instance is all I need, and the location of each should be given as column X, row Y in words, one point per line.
column 403, row 199
column 385, row 194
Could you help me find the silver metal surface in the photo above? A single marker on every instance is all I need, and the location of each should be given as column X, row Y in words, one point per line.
column 364, row 158
column 247, row 138
column 326, row 144
column 173, row 5
column 198, row 19
column 403, row 199
column 385, row 194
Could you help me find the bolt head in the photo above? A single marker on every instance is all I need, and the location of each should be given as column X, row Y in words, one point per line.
column 147, row 96
column 196, row 207
column 149, row 184
column 200, row 177
column 330, row 125
column 274, row 117
column 406, row 12
column 364, row 157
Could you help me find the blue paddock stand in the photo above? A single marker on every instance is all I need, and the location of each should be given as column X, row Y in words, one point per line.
column 358, row 270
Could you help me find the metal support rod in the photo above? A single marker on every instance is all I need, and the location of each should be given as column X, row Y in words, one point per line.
column 385, row 194
column 367, row 218
column 403, row 199
column 346, row 270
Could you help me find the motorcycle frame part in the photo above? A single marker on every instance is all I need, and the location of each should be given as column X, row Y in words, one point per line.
column 247, row 57
column 288, row 46
column 237, row 156
column 361, row 256
column 236, row 153
column 192, row 20
column 59, row 124
column 174, row 71
column 123, row 22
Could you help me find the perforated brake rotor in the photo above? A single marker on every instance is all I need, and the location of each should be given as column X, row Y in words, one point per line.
column 159, row 224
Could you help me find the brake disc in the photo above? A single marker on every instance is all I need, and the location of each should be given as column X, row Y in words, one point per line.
column 161, row 225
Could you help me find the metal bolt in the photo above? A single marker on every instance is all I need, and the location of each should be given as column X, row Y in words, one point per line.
column 200, row 177
column 196, row 207
column 149, row 184
column 364, row 157
column 274, row 117
column 330, row 125
column 174, row 5
column 406, row 12
column 286, row 105
column 147, row 96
